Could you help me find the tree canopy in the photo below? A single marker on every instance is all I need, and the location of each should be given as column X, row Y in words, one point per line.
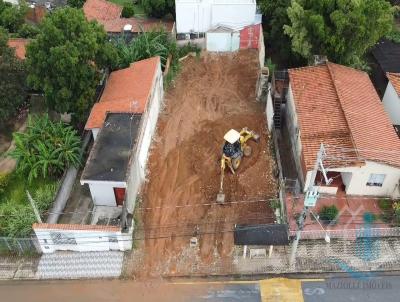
column 341, row 29
column 65, row 58
column 12, row 80
column 12, row 16
column 159, row 8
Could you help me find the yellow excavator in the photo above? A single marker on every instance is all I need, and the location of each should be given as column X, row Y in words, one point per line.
column 232, row 152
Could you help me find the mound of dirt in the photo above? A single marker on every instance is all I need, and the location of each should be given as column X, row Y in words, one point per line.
column 212, row 95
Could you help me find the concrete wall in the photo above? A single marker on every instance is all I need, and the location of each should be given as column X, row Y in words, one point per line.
column 85, row 239
column 261, row 48
column 222, row 41
column 201, row 16
column 391, row 102
column 269, row 111
column 357, row 183
column 137, row 171
column 295, row 134
column 103, row 192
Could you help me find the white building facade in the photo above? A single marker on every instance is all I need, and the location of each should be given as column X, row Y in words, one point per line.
column 199, row 16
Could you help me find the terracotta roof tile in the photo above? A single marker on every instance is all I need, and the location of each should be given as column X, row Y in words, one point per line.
column 101, row 10
column 20, row 47
column 394, row 78
column 338, row 106
column 127, row 91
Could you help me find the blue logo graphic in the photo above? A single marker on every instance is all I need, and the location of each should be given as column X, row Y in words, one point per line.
column 366, row 249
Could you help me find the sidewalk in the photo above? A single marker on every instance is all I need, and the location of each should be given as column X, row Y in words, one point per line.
column 63, row 265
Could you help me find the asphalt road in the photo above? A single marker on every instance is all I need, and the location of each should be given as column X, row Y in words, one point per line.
column 277, row 290
column 353, row 289
column 121, row 291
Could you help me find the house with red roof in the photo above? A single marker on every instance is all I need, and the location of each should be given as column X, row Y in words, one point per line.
column 391, row 99
column 109, row 15
column 19, row 45
column 338, row 107
column 123, row 123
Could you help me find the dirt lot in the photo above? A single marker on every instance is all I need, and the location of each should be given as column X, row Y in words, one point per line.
column 212, row 95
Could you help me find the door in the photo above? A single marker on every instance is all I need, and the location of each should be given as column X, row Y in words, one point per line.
column 119, row 196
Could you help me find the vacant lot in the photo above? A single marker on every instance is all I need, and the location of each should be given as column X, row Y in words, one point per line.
column 212, row 95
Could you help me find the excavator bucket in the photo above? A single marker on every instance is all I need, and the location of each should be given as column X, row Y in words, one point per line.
column 220, row 197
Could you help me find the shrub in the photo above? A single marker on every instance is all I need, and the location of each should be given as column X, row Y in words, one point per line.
column 328, row 213
column 46, row 148
column 128, row 10
column 146, row 45
column 385, row 204
column 188, row 48
column 4, row 179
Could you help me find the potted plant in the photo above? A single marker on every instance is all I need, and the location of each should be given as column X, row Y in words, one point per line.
column 328, row 214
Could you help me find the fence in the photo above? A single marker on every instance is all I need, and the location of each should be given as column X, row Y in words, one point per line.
column 19, row 245
column 350, row 233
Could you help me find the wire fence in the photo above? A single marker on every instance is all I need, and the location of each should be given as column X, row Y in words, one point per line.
column 19, row 246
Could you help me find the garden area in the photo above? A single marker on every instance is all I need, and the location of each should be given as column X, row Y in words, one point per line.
column 42, row 152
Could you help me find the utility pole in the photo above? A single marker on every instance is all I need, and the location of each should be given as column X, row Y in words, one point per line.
column 35, row 210
column 304, row 212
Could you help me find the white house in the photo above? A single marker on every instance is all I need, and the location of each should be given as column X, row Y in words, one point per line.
column 391, row 98
column 123, row 123
column 338, row 107
column 199, row 16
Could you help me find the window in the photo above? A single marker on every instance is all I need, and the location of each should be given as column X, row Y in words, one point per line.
column 376, row 180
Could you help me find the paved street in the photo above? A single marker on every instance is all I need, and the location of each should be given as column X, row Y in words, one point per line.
column 276, row 290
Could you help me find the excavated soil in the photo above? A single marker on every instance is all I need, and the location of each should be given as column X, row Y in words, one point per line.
column 213, row 94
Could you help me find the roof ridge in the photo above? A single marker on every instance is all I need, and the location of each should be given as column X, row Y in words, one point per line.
column 341, row 105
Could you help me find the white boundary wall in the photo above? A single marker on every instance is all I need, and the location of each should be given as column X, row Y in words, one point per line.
column 137, row 172
column 81, row 238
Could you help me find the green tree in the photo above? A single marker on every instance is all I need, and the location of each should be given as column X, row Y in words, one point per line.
column 65, row 60
column 46, row 148
column 28, row 31
column 128, row 10
column 76, row 3
column 341, row 29
column 159, row 8
column 12, row 81
column 12, row 16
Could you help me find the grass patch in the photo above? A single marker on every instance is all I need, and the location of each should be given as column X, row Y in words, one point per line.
column 15, row 209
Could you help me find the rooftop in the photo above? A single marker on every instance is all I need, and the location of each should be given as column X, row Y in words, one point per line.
column 19, row 45
column 127, row 90
column 111, row 152
column 394, row 78
column 338, row 106
column 387, row 54
column 101, row 10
